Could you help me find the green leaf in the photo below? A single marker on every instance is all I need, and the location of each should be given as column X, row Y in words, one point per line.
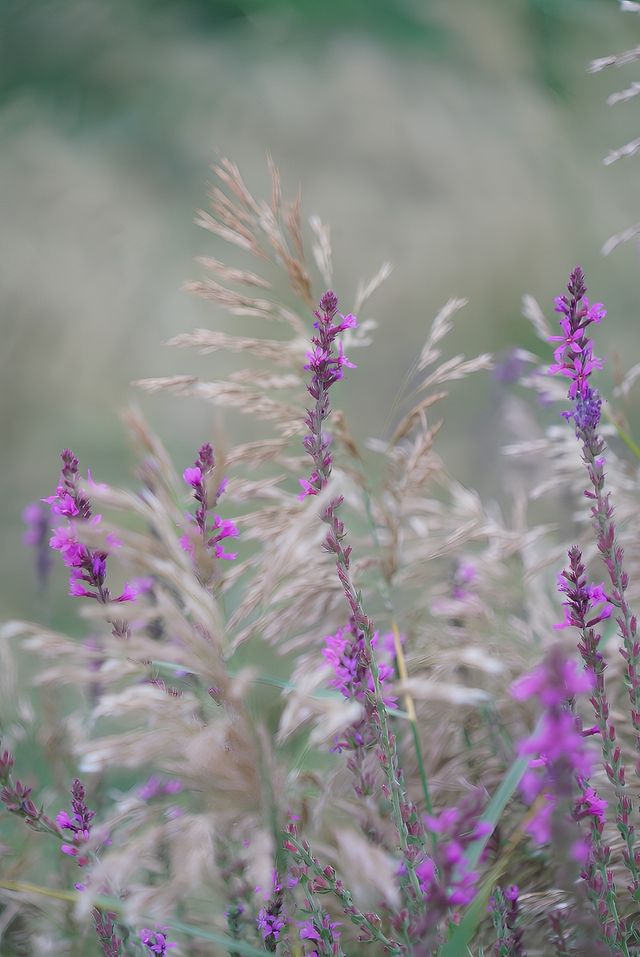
column 229, row 943
column 458, row 943
column 114, row 904
column 495, row 808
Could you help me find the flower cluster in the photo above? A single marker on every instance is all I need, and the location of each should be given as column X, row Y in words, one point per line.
column 212, row 532
column 558, row 744
column 323, row 933
column 587, row 605
column 272, row 919
column 155, row 788
column 346, row 652
column 16, row 798
column 270, row 923
column 77, row 825
column 88, row 565
column 574, row 354
column 584, row 615
column 156, row 941
column 326, row 368
column 444, row 877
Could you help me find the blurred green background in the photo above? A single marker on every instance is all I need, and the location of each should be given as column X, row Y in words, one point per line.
column 462, row 141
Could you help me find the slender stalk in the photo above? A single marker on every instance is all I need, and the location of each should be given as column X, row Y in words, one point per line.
column 401, row 808
column 326, row 876
column 401, row 663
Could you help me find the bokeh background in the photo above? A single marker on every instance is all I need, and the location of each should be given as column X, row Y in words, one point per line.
column 463, row 141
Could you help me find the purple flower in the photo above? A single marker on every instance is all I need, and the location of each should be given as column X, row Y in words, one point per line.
column 581, row 610
column 193, row 476
column 346, row 653
column 322, row 931
column 88, row 566
column 212, row 532
column 444, row 877
column 558, row 744
column 590, row 804
column 326, row 368
column 78, row 824
column 269, row 925
column 156, row 940
column 154, row 788
column 574, row 356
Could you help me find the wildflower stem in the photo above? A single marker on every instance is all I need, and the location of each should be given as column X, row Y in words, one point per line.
column 602, row 892
column 612, row 555
column 413, row 721
column 401, row 808
column 332, row 884
column 401, row 664
column 582, row 611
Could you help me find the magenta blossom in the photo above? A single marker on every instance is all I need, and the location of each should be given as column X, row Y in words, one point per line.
column 346, row 653
column 445, row 878
column 88, row 566
column 77, row 824
column 558, row 747
column 156, row 941
column 269, row 924
column 574, row 356
column 214, row 530
column 323, row 933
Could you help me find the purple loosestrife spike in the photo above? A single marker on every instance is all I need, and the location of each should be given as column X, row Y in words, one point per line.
column 346, row 652
column 88, row 565
column 583, row 611
column 270, row 925
column 212, row 532
column 444, row 878
column 578, row 314
column 77, row 825
column 326, row 367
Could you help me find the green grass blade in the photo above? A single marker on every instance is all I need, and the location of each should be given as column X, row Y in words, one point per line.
column 495, row 808
column 113, row 904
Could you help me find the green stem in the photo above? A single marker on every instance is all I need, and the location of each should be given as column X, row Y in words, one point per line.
column 339, row 891
column 622, row 434
column 386, row 739
column 388, row 601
